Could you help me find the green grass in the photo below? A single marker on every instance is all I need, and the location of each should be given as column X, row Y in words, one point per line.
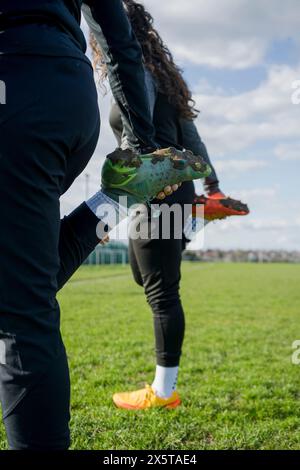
column 238, row 385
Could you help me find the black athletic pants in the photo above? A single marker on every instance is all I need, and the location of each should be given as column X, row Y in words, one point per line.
column 49, row 128
column 155, row 265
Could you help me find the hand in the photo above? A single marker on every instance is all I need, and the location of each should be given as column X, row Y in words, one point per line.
column 104, row 240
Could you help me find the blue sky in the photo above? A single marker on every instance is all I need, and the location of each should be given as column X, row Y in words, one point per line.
column 240, row 58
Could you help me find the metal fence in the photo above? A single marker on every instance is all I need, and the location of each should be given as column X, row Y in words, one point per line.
column 113, row 253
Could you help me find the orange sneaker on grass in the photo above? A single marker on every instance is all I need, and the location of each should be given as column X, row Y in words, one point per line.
column 145, row 398
column 218, row 206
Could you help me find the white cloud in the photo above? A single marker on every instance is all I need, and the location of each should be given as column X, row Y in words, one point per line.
column 288, row 152
column 258, row 224
column 255, row 194
column 224, row 33
column 236, row 54
column 233, row 123
column 238, row 166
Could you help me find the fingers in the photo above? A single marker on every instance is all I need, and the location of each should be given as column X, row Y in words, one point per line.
column 161, row 196
column 168, row 190
column 104, row 240
column 176, row 186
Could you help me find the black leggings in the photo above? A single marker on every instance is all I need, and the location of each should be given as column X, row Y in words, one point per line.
column 48, row 132
column 156, row 266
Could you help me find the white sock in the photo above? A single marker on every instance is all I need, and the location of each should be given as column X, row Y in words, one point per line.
column 165, row 381
column 110, row 212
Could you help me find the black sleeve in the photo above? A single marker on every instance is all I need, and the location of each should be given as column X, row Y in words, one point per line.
column 191, row 140
column 125, row 68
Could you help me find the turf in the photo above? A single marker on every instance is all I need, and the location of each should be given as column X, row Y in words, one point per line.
column 239, row 387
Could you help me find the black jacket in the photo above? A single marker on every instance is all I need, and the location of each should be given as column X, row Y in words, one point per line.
column 32, row 27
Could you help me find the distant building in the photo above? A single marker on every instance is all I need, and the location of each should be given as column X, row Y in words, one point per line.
column 244, row 256
column 117, row 253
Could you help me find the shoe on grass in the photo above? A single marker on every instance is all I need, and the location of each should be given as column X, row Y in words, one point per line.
column 144, row 399
column 142, row 177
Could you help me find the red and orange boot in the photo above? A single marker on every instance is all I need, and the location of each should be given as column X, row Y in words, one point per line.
column 217, row 206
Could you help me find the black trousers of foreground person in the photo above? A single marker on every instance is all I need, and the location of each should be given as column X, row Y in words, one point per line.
column 40, row 156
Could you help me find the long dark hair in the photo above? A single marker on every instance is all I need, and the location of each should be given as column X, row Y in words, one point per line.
column 158, row 60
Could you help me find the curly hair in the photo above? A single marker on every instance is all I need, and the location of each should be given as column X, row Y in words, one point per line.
column 158, row 60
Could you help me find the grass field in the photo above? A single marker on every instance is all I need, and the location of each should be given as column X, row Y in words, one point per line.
column 238, row 385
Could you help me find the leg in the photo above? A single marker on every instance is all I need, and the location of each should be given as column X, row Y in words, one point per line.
column 34, row 376
column 78, row 236
column 156, row 264
column 159, row 265
column 77, row 240
column 134, row 264
column 29, row 325
column 38, row 423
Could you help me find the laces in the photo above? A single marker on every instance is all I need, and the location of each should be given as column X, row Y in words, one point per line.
column 149, row 392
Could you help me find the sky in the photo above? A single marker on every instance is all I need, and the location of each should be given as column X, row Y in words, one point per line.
column 241, row 59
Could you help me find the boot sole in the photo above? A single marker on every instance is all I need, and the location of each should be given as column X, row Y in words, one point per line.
column 180, row 160
column 126, row 406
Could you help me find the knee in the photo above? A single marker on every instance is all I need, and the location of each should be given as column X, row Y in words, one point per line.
column 162, row 294
column 138, row 278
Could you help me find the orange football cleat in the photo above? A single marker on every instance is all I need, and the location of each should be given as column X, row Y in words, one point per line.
column 145, row 398
column 218, row 206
